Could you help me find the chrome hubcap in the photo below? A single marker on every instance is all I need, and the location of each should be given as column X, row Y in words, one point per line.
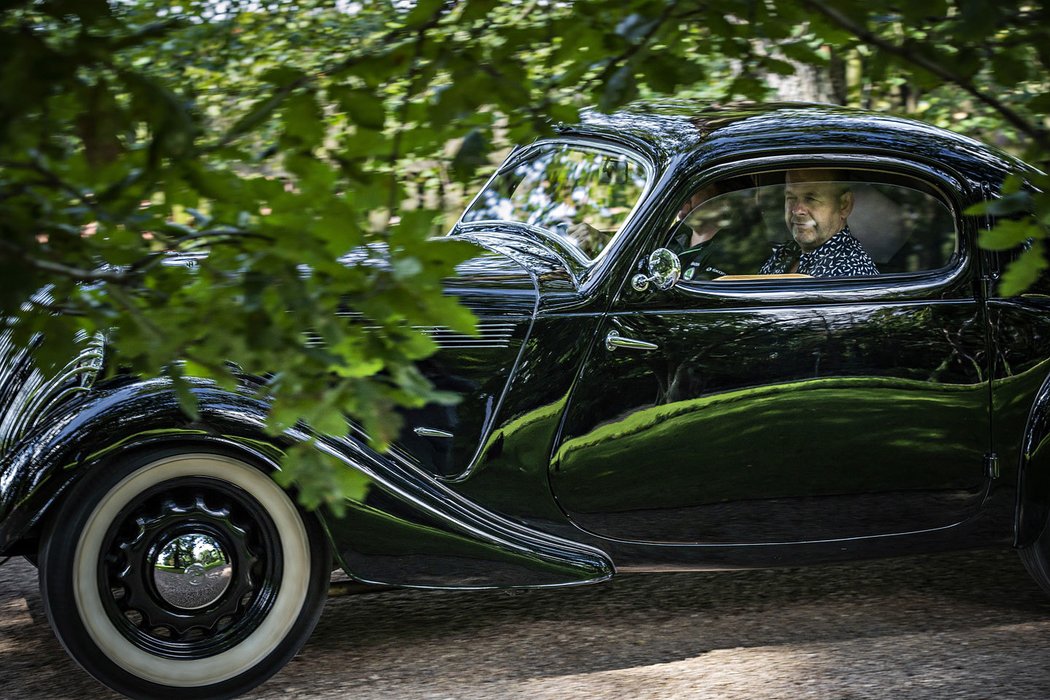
column 192, row 571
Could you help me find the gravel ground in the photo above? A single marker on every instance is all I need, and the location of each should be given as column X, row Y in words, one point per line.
column 967, row 625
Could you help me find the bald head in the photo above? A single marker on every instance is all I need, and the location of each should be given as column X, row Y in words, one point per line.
column 816, row 205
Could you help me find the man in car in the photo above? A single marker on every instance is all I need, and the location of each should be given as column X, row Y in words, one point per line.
column 694, row 235
column 816, row 206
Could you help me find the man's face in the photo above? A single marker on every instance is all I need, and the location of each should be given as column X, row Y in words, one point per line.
column 815, row 209
column 698, row 198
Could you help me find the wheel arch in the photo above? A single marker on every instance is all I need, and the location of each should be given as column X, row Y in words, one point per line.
column 1033, row 480
column 120, row 423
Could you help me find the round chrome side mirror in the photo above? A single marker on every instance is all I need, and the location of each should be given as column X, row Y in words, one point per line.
column 664, row 270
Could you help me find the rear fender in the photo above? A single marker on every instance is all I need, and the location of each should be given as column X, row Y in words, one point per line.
column 1033, row 488
column 407, row 529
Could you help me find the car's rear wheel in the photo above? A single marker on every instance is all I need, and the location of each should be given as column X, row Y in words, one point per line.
column 189, row 572
column 1036, row 559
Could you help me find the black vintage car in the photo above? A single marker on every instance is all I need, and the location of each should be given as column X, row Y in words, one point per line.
column 743, row 337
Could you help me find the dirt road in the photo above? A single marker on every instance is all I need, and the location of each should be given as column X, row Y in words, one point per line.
column 967, row 625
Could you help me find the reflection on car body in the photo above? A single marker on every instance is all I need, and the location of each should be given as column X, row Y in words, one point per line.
column 623, row 409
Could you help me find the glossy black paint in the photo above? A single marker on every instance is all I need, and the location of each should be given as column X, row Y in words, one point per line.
column 778, row 426
column 695, row 140
column 407, row 512
column 1021, row 405
column 504, row 297
column 775, row 424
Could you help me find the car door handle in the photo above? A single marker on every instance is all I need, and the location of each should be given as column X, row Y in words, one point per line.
column 614, row 340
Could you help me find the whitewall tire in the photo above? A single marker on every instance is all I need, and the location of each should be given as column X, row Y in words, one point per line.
column 182, row 572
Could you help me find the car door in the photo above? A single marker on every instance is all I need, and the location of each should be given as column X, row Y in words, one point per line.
column 772, row 409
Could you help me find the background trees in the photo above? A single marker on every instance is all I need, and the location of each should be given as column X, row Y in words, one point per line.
column 282, row 134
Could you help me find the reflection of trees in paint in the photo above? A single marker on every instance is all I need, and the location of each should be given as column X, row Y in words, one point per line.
column 191, row 549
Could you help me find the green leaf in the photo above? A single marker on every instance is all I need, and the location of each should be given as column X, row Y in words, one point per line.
column 1008, row 234
column 280, row 76
column 748, row 87
column 975, row 20
column 261, row 112
column 662, row 71
column 321, row 479
column 1012, row 184
column 449, row 312
column 1023, row 272
column 364, row 107
column 337, row 227
column 187, row 399
column 303, row 119
column 1005, row 206
column 803, row 52
column 423, row 12
column 1009, row 68
column 918, row 13
column 477, row 9
column 89, row 11
column 777, row 66
column 1040, row 103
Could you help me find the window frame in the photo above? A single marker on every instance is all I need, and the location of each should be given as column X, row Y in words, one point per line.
column 949, row 188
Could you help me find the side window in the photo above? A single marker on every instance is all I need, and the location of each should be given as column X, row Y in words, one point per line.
column 812, row 223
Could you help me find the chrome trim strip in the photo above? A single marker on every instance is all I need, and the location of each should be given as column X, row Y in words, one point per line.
column 491, row 334
column 431, row 432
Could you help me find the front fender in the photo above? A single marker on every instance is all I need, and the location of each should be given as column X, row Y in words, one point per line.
column 81, row 435
column 409, row 529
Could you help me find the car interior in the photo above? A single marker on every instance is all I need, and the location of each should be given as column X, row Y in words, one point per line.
column 901, row 222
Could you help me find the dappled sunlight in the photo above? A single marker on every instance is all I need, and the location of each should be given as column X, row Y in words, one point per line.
column 862, row 666
column 13, row 614
column 770, row 671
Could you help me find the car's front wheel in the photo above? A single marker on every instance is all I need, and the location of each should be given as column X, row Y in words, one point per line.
column 182, row 572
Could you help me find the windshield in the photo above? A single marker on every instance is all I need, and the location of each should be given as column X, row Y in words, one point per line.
column 580, row 194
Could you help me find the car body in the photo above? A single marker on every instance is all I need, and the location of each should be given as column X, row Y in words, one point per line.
column 616, row 415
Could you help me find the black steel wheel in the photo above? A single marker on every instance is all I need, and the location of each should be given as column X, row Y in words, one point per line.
column 190, row 572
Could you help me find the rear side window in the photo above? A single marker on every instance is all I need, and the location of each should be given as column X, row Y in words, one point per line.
column 813, row 223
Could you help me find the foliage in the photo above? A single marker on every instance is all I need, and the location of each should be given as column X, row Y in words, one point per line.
column 983, row 68
column 186, row 178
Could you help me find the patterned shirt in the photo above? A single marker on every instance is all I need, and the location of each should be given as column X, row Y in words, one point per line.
column 840, row 256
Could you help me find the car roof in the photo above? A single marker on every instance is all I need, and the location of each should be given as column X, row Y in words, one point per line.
column 671, row 130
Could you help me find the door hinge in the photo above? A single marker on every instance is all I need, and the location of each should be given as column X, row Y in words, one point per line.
column 991, row 465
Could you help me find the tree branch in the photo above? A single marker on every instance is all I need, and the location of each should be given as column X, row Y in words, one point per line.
column 632, row 50
column 117, row 277
column 1038, row 134
column 50, row 179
